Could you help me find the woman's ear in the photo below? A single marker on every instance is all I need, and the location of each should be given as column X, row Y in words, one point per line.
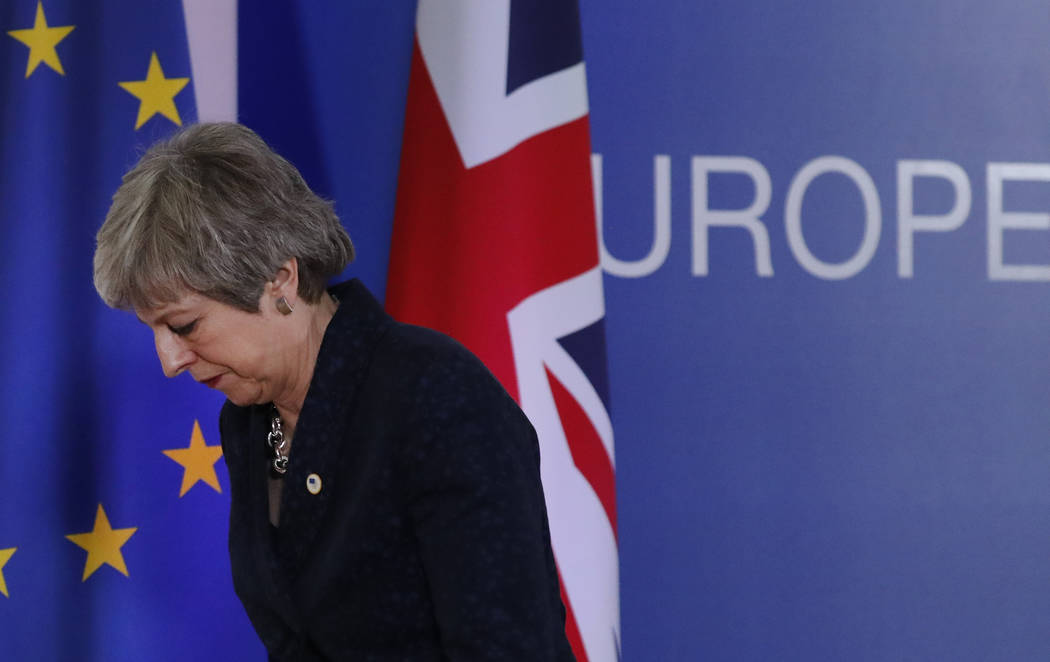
column 285, row 283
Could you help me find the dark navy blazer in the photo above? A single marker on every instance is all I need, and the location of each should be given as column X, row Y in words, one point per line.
column 428, row 539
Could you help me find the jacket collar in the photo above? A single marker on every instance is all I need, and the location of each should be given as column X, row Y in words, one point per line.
column 339, row 373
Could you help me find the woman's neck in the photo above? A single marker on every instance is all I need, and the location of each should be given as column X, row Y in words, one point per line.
column 289, row 406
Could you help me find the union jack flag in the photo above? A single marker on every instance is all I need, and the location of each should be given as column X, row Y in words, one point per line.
column 495, row 244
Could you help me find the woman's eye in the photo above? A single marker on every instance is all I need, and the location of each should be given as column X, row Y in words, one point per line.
column 183, row 330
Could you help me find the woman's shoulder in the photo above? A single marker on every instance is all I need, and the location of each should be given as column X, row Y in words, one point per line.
column 440, row 379
column 434, row 356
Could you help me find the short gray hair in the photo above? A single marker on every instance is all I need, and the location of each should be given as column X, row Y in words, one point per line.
column 215, row 211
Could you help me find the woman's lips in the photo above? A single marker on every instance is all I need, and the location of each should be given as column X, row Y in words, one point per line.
column 213, row 382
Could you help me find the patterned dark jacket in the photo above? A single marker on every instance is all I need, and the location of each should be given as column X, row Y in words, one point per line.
column 428, row 538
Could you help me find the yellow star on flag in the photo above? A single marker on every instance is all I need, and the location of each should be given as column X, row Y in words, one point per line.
column 103, row 545
column 5, row 556
column 41, row 41
column 156, row 94
column 198, row 461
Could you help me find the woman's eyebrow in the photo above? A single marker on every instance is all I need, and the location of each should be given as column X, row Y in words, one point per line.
column 160, row 319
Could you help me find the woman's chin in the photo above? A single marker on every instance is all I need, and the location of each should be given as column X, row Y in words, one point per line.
column 240, row 401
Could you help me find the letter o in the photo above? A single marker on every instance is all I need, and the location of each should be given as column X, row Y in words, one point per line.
column 872, row 217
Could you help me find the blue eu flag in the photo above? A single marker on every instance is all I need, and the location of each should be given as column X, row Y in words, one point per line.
column 113, row 494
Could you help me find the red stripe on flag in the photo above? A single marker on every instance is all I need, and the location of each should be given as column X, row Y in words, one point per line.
column 469, row 245
column 588, row 452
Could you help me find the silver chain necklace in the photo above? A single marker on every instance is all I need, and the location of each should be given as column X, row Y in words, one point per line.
column 278, row 444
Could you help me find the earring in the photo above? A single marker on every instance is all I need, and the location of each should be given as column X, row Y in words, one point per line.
column 283, row 306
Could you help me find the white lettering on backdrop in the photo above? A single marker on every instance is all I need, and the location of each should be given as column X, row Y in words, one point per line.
column 750, row 219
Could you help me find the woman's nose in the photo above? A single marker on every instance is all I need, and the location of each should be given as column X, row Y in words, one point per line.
column 173, row 353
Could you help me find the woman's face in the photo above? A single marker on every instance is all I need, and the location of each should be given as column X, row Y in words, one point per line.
column 222, row 347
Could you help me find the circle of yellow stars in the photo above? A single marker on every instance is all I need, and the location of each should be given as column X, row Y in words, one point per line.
column 156, row 93
column 103, row 543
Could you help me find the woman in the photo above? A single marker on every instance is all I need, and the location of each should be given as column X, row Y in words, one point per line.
column 386, row 502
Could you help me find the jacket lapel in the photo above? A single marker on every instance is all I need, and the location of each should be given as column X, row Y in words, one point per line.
column 325, row 421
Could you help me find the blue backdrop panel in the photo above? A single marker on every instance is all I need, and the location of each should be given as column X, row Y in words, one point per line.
column 811, row 468
column 827, row 469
